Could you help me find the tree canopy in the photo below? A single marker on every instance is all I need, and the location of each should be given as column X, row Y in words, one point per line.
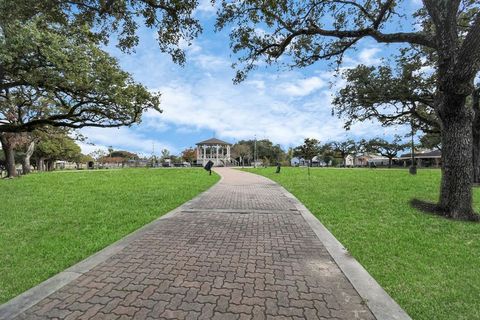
column 308, row 150
column 173, row 21
column 386, row 148
column 57, row 146
column 189, row 155
column 242, row 152
column 343, row 148
column 393, row 93
column 56, row 77
column 265, row 150
column 124, row 154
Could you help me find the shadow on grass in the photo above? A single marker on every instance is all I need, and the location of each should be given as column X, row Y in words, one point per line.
column 432, row 208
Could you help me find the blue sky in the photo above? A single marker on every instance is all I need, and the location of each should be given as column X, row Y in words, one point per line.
column 200, row 100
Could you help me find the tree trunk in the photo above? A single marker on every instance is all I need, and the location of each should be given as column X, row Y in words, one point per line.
column 389, row 162
column 476, row 152
column 457, row 170
column 26, row 160
column 41, row 164
column 476, row 136
column 9, row 156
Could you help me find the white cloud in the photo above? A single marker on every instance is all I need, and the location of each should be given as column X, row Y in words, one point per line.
column 200, row 99
column 190, row 47
column 242, row 111
column 302, row 87
column 210, row 62
column 88, row 148
column 206, row 8
column 367, row 56
column 258, row 84
column 266, row 106
column 123, row 139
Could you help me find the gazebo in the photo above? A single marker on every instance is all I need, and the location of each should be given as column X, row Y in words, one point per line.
column 213, row 149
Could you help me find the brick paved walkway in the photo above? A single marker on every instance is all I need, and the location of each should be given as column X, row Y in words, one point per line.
column 240, row 251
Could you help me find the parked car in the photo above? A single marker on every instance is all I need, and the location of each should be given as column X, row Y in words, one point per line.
column 183, row 164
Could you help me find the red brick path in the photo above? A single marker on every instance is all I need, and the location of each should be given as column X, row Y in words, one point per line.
column 240, row 251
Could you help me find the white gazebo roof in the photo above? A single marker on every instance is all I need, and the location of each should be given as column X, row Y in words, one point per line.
column 213, row 142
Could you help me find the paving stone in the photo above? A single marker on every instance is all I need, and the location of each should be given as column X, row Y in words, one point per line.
column 121, row 310
column 234, row 308
column 239, row 251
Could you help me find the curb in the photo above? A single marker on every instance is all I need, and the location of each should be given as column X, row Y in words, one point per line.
column 32, row 296
column 376, row 298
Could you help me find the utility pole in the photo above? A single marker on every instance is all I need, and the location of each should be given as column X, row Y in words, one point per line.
column 153, row 154
column 413, row 167
column 255, row 152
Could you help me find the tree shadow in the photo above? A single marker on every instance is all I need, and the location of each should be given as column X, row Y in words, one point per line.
column 433, row 209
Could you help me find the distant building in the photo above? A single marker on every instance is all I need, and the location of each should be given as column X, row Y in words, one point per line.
column 317, row 162
column 350, row 161
column 214, row 150
column 366, row 160
column 296, row 162
column 67, row 165
column 300, row 162
column 428, row 158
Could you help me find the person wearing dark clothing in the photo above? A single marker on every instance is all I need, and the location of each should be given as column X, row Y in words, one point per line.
column 278, row 167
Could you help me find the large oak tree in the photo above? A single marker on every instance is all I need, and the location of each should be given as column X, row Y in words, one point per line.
column 242, row 152
column 55, row 145
column 385, row 148
column 309, row 31
column 59, row 77
column 343, row 149
column 400, row 91
column 53, row 73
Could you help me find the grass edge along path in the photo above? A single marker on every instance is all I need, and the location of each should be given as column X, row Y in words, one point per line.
column 426, row 263
column 50, row 221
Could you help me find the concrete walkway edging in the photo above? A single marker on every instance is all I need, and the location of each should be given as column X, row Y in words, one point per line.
column 377, row 299
column 32, row 296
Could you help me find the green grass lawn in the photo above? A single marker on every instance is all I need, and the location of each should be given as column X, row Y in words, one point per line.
column 428, row 264
column 50, row 221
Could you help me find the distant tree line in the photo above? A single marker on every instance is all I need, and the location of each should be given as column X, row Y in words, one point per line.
column 40, row 148
column 331, row 153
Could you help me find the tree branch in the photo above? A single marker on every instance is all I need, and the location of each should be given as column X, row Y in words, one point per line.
column 419, row 38
column 469, row 57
